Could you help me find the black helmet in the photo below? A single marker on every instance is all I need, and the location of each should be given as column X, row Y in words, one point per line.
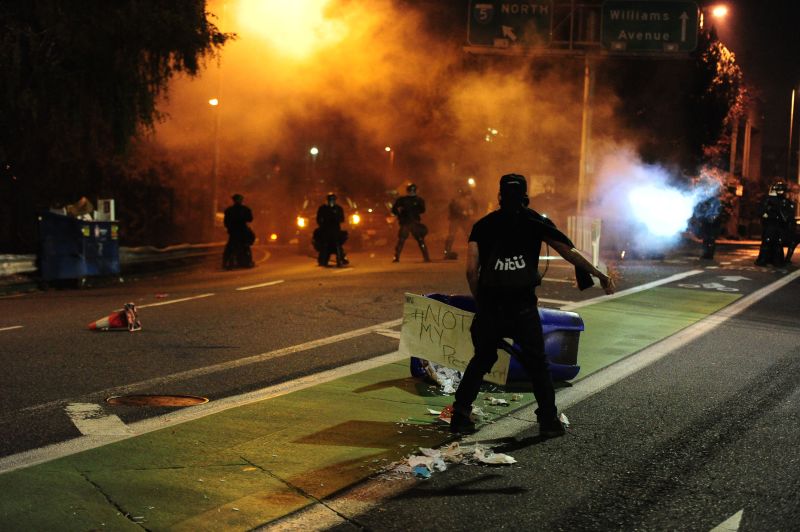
column 331, row 196
column 238, row 198
column 411, row 187
column 778, row 188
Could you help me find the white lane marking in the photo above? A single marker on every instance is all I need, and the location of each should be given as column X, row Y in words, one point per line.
column 10, row 328
column 224, row 366
column 370, row 494
column 551, row 280
column 391, row 333
column 92, row 441
column 342, row 270
column 270, row 283
column 559, row 302
column 731, row 524
column 91, row 420
column 640, row 288
column 162, row 303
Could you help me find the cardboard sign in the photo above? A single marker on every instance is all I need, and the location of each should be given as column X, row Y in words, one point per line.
column 440, row 333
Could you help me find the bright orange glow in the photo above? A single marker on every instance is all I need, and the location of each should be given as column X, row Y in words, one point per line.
column 388, row 148
column 355, row 219
column 213, row 102
column 471, row 181
column 301, row 222
column 273, row 237
column 297, row 28
column 720, row 11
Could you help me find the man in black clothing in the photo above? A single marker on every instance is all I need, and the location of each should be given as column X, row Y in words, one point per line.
column 502, row 271
column 408, row 209
column 329, row 236
column 240, row 236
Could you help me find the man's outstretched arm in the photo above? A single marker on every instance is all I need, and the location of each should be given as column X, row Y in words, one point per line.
column 574, row 257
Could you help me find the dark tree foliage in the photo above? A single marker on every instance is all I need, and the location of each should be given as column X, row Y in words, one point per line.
column 79, row 81
column 680, row 109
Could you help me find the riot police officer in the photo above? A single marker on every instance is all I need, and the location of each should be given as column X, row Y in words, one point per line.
column 329, row 237
column 460, row 213
column 240, row 236
column 777, row 213
column 408, row 209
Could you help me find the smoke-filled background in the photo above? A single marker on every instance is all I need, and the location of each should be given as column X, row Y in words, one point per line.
column 355, row 77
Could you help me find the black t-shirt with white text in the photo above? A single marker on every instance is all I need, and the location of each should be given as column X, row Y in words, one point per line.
column 508, row 250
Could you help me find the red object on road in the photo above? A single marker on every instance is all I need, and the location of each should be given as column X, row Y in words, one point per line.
column 120, row 320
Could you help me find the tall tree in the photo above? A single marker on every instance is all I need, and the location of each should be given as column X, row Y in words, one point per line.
column 79, row 81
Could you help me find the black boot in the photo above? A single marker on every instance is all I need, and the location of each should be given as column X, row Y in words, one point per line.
column 425, row 255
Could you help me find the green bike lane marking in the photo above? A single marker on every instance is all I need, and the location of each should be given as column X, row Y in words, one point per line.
column 252, row 464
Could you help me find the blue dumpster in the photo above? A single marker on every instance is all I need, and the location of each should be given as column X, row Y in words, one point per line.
column 73, row 249
column 561, row 330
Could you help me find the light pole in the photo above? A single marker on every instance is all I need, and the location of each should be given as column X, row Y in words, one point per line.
column 390, row 168
column 214, row 103
column 789, row 146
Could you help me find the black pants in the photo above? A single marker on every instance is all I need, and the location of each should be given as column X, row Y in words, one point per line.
column 237, row 253
column 418, row 231
column 489, row 327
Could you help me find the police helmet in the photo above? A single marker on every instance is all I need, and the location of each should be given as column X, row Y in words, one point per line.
column 411, row 187
column 777, row 189
column 238, row 198
column 330, row 197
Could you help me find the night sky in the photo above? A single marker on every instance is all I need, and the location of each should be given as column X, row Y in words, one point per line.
column 765, row 37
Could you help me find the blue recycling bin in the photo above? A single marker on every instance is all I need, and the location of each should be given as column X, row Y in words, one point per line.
column 561, row 331
column 73, row 249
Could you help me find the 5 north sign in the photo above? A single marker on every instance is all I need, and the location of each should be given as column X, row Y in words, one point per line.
column 649, row 26
column 507, row 23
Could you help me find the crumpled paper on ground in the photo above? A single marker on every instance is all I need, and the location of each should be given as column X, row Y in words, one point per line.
column 429, row 461
column 446, row 378
column 487, row 456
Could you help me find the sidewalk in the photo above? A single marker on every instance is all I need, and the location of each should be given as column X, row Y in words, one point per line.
column 249, row 465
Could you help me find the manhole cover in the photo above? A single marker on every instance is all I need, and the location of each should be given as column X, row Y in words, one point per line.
column 156, row 400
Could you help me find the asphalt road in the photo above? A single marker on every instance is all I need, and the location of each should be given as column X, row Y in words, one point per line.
column 215, row 334
column 706, row 435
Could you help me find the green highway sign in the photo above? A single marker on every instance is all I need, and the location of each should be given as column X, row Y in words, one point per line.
column 649, row 26
column 508, row 24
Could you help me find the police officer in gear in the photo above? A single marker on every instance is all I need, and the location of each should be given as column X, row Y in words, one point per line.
column 708, row 218
column 408, row 209
column 777, row 215
column 502, row 271
column 460, row 213
column 240, row 237
column 329, row 237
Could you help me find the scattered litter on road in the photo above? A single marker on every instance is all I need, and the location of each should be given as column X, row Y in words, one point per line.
column 487, row 456
column 434, row 412
column 161, row 296
column 564, row 421
column 516, row 397
column 446, row 378
column 495, row 401
column 429, row 461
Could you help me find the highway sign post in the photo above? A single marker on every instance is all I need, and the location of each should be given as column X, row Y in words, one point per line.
column 507, row 23
column 644, row 26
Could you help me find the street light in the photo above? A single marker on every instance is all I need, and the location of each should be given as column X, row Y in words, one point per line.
column 314, row 151
column 390, row 170
column 214, row 103
column 719, row 11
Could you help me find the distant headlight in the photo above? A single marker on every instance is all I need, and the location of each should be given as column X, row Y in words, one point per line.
column 273, row 237
column 301, row 222
column 355, row 219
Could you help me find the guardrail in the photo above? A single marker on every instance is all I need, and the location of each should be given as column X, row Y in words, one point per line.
column 17, row 264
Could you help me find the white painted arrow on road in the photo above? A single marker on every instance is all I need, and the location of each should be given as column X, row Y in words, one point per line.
column 731, row 524
column 734, row 278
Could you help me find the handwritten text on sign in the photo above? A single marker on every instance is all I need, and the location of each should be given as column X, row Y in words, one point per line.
column 440, row 333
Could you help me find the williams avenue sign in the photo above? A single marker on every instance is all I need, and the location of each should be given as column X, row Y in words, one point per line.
column 645, row 26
